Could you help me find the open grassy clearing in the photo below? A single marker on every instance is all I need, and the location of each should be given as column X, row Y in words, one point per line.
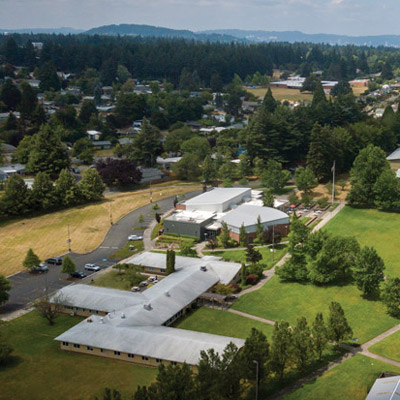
column 288, row 301
column 240, row 255
column 282, row 94
column 40, row 371
column 220, row 322
column 123, row 253
column 350, row 380
column 389, row 347
column 372, row 228
column 47, row 234
column 114, row 280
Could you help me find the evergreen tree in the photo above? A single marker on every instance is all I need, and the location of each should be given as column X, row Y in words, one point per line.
column 209, row 172
column 68, row 266
column 319, row 97
column 10, row 95
column 38, row 117
column 368, row 271
column 66, row 189
column 28, row 101
column 305, row 180
column 91, row 185
column 242, row 236
column 391, row 296
column 147, row 145
column 302, row 343
column 47, row 153
column 5, row 286
column 260, row 230
column 268, row 199
column 338, row 327
column 15, row 199
column 224, row 236
column 275, row 178
column 87, row 110
column 269, row 103
column 387, row 191
column 187, row 168
column 42, row 195
column 387, row 71
column 48, row 77
column 281, row 348
column 319, row 335
column 31, row 260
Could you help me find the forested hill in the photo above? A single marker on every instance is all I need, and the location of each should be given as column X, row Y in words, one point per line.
column 155, row 31
column 296, row 36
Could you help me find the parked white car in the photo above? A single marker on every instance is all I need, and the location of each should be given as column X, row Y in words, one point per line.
column 92, row 267
column 135, row 237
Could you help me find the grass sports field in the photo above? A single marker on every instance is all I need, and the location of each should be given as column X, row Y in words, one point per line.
column 372, row 228
column 40, row 371
column 350, row 380
column 223, row 323
column 47, row 234
column 288, row 301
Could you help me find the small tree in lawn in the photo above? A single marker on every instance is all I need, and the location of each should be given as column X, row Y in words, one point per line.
column 49, row 310
column 243, row 272
column 242, row 236
column 338, row 327
column 170, row 262
column 31, row 260
column 224, row 237
column 155, row 207
column 368, row 271
column 68, row 266
column 158, row 218
column 253, row 256
column 5, row 351
column 391, row 296
column 302, row 343
column 260, row 230
column 319, row 335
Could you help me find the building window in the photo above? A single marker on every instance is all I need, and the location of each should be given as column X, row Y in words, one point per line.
column 77, row 346
column 131, row 355
column 89, row 348
column 145, row 358
column 65, row 343
column 150, row 269
column 158, row 360
column 173, row 363
column 117, row 353
column 102, row 351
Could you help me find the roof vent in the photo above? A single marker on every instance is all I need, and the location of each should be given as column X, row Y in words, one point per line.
column 147, row 306
column 123, row 316
column 89, row 320
column 167, row 293
column 101, row 320
column 203, row 268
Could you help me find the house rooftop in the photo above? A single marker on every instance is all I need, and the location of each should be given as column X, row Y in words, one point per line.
column 394, row 156
column 385, row 389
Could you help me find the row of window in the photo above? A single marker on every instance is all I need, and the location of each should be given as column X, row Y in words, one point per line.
column 81, row 309
column 116, row 353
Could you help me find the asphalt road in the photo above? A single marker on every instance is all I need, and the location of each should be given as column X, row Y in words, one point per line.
column 26, row 287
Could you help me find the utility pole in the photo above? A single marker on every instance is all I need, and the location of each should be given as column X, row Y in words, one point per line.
column 69, row 241
column 273, row 243
column 333, row 181
column 257, row 365
column 111, row 220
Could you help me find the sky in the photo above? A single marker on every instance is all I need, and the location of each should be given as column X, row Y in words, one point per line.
column 349, row 17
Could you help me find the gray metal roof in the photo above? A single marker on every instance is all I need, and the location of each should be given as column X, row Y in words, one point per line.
column 394, row 156
column 151, row 341
column 247, row 214
column 385, row 389
column 225, row 271
column 98, row 298
column 217, row 196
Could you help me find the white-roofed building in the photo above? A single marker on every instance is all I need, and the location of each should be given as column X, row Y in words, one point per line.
column 387, row 388
column 248, row 215
column 133, row 326
column 394, row 159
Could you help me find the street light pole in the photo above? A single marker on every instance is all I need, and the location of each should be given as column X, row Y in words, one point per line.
column 69, row 240
column 111, row 220
column 256, row 362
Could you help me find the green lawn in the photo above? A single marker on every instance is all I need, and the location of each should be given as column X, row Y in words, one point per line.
column 372, row 228
column 240, row 255
column 389, row 347
column 123, row 253
column 40, row 371
column 288, row 301
column 113, row 280
column 350, row 380
column 221, row 322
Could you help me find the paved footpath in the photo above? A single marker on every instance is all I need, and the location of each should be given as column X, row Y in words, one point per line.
column 242, row 314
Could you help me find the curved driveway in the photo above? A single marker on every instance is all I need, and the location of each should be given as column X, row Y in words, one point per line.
column 27, row 287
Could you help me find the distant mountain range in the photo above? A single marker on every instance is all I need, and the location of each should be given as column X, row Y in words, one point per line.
column 155, row 31
column 222, row 35
column 63, row 31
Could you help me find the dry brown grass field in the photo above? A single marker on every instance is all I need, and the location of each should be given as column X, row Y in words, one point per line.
column 47, row 234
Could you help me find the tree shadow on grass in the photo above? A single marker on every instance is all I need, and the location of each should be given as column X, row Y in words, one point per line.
column 12, row 362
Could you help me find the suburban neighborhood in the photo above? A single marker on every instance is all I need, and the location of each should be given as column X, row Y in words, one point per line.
column 208, row 214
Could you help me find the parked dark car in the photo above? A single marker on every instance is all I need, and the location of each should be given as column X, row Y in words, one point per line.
column 54, row 260
column 78, row 274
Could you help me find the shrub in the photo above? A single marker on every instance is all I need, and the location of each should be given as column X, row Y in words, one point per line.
column 251, row 279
